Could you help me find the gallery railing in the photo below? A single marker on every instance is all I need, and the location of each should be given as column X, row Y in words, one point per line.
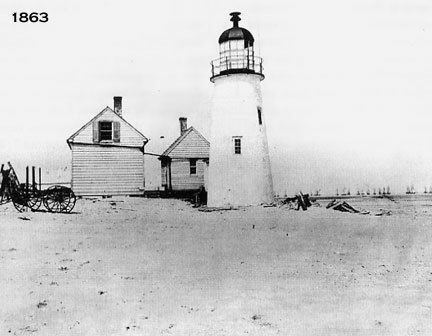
column 237, row 64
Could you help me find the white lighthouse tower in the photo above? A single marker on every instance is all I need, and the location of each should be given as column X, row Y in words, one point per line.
column 239, row 169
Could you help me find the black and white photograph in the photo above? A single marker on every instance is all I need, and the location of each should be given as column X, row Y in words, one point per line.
column 223, row 168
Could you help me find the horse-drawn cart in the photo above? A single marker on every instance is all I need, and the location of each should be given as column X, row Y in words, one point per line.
column 27, row 195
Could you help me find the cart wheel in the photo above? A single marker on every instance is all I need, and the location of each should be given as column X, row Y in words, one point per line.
column 19, row 205
column 69, row 195
column 59, row 199
column 34, row 201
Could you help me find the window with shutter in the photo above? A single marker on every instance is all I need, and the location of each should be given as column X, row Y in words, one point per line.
column 116, row 131
column 95, row 131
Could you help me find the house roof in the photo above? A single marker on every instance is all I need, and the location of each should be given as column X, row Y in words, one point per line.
column 180, row 139
column 71, row 138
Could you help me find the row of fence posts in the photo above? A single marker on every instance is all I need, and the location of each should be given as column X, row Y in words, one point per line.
column 33, row 177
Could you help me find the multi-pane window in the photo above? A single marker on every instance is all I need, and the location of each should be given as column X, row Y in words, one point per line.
column 193, row 166
column 237, row 145
column 105, row 130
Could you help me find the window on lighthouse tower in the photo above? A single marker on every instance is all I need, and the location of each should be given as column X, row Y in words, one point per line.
column 237, row 145
column 259, row 115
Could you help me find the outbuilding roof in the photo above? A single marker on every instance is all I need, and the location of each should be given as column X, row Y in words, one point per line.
column 179, row 140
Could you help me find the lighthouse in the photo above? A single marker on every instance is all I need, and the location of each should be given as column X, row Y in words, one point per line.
column 239, row 172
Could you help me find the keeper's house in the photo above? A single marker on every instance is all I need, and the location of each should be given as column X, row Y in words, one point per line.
column 108, row 155
column 184, row 163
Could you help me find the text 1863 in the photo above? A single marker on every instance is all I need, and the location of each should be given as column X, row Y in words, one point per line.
column 32, row 17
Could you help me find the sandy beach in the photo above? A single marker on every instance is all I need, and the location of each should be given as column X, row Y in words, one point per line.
column 136, row 266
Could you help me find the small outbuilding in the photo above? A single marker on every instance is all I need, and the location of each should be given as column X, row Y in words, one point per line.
column 184, row 163
column 108, row 155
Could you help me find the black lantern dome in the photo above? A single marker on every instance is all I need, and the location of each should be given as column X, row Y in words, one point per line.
column 236, row 32
column 236, row 52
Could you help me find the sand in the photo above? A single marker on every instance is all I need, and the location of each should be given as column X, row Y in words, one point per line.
column 134, row 266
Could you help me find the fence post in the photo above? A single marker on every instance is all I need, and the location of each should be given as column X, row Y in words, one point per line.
column 33, row 177
column 27, row 180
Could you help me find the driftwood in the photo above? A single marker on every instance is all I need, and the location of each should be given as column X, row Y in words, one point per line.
column 344, row 207
column 384, row 213
column 212, row 209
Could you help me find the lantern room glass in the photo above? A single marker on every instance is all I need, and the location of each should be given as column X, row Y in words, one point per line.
column 235, row 54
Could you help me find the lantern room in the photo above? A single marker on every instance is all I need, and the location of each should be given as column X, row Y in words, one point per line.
column 236, row 52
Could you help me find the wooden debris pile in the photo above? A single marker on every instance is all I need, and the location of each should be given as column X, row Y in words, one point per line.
column 300, row 201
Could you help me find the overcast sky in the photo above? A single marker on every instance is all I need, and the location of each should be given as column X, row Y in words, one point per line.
column 347, row 94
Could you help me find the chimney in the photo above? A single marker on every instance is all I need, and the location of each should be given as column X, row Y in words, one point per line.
column 118, row 105
column 183, row 125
